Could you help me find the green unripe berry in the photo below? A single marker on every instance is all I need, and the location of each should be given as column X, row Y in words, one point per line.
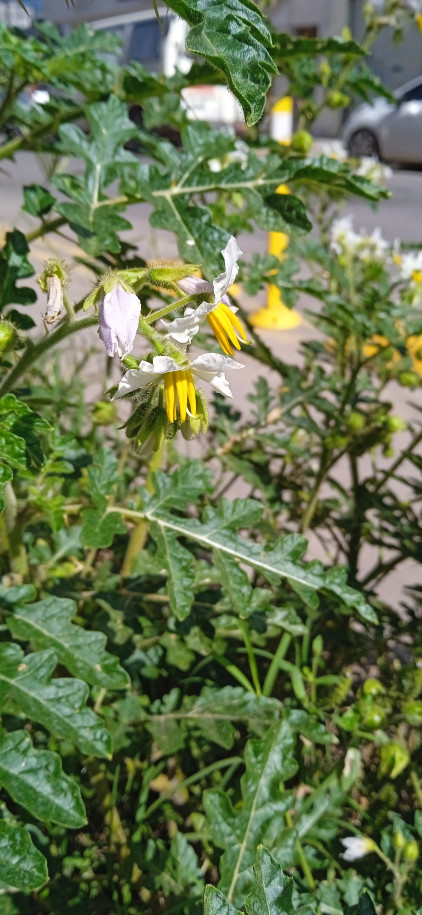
column 356, row 421
column 372, row 687
column 302, row 142
column 413, row 712
column 399, row 841
column 8, row 337
column 411, row 851
column 337, row 99
column 388, row 452
column 395, row 424
column 409, row 379
column 373, row 718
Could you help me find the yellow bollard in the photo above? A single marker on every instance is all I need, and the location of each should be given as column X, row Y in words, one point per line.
column 276, row 315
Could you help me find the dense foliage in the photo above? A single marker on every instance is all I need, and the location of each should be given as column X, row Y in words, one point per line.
column 188, row 700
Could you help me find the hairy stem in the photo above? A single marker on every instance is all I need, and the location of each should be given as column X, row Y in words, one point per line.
column 35, row 350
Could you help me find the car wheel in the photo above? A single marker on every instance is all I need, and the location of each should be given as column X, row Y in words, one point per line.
column 364, row 143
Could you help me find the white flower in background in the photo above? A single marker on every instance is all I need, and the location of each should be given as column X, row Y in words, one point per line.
column 335, row 150
column 345, row 239
column 375, row 244
column 118, row 313
column 410, row 266
column 179, row 387
column 239, row 154
column 374, row 170
column 343, row 236
column 357, row 847
column 219, row 313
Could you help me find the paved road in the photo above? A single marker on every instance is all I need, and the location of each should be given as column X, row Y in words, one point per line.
column 399, row 217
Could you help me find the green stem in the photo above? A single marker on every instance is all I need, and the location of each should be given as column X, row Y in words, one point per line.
column 417, row 786
column 244, row 627
column 302, row 857
column 14, row 534
column 234, row 671
column 313, row 501
column 192, row 779
column 162, row 312
column 274, row 668
column 69, row 307
column 399, row 460
column 44, row 228
column 151, row 335
column 35, row 350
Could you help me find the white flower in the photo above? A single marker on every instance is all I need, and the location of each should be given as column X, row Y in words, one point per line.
column 374, row 170
column 410, row 266
column 357, row 847
column 219, row 313
column 335, row 150
column 343, row 235
column 119, row 313
column 344, row 238
column 179, row 388
column 376, row 245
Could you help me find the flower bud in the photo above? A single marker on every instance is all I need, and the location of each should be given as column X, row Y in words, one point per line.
column 193, row 285
column 119, row 312
column 166, row 276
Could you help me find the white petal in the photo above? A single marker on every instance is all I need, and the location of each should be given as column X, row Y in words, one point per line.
column 192, row 285
column 356, row 847
column 183, row 329
column 214, row 362
column 231, row 253
column 147, row 373
column 133, row 380
column 183, row 337
column 161, row 365
column 220, row 384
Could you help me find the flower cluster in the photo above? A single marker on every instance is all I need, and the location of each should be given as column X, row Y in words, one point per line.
column 163, row 383
column 345, row 241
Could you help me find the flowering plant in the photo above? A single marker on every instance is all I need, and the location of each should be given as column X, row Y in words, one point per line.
column 194, row 704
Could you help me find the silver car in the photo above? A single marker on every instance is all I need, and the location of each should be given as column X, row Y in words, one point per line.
column 388, row 131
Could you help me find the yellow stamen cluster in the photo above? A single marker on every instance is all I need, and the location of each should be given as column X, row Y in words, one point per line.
column 417, row 276
column 179, row 389
column 226, row 326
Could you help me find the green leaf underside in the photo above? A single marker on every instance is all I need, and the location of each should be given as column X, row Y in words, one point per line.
column 235, row 38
